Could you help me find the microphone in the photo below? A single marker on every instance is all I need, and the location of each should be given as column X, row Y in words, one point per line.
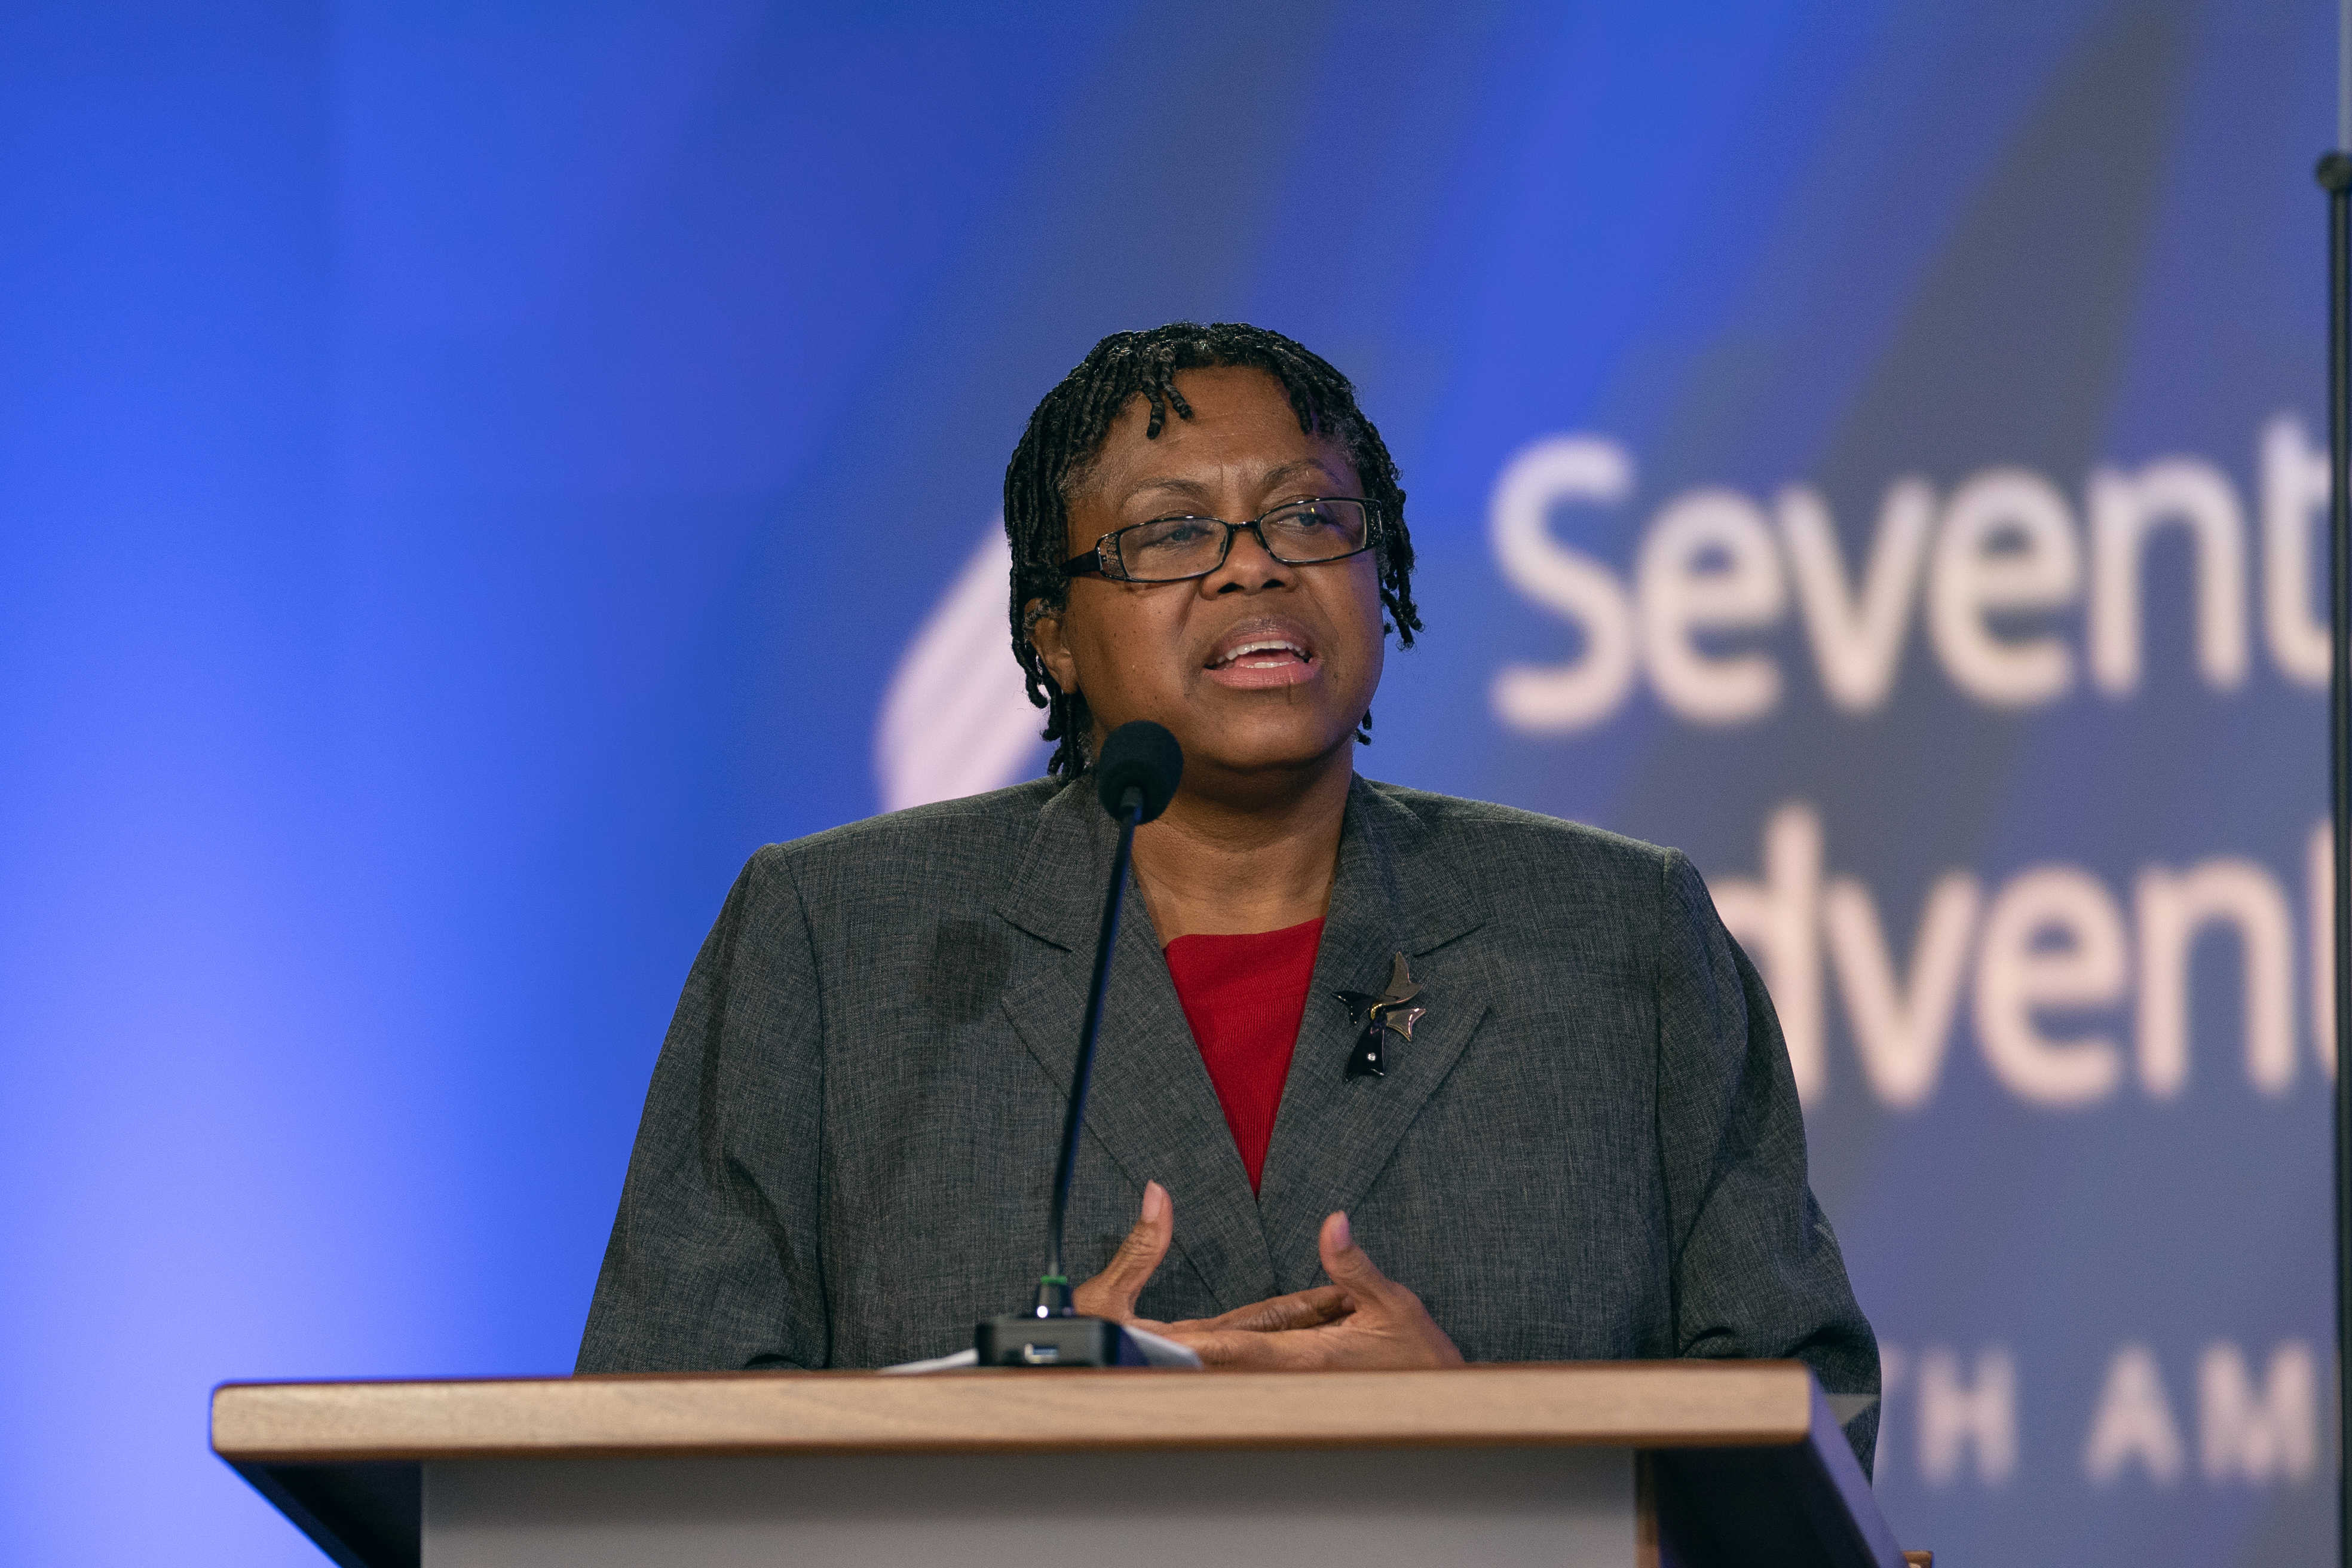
column 1136, row 778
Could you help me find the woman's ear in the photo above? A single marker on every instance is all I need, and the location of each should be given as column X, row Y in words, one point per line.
column 1045, row 637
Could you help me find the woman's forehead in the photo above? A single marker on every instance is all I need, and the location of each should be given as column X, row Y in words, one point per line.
column 1242, row 431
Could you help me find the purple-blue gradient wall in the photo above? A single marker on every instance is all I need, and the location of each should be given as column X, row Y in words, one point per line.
column 470, row 475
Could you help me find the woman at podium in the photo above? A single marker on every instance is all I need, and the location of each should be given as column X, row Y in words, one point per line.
column 1385, row 1077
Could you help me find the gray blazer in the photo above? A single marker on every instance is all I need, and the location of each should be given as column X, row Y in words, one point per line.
column 1589, row 1148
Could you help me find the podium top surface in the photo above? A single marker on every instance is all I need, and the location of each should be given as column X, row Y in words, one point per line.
column 1634, row 1404
column 1745, row 1454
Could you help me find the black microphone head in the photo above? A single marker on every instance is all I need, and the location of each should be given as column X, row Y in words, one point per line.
column 1139, row 755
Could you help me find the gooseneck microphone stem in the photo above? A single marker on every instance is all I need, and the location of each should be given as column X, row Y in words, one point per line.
column 1054, row 1289
column 1135, row 778
column 2335, row 175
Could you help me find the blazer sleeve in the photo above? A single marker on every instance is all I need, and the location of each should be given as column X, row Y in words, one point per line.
column 713, row 1263
column 1756, row 1267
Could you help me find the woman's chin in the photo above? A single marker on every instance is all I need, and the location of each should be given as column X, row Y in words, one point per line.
column 1252, row 751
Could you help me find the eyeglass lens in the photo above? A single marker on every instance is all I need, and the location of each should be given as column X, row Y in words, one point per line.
column 1296, row 535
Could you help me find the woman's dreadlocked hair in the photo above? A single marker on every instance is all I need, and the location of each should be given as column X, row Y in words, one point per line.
column 1067, row 431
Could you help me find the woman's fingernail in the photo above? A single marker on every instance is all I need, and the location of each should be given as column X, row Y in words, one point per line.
column 1342, row 1237
column 1155, row 1201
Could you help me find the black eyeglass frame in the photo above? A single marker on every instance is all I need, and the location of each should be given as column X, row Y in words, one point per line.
column 1103, row 558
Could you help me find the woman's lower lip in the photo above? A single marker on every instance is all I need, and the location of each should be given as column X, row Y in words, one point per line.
column 1248, row 677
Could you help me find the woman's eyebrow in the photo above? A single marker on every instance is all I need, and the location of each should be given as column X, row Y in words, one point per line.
column 1190, row 489
column 1297, row 469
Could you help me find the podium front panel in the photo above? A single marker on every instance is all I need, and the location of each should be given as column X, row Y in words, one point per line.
column 1361, row 1507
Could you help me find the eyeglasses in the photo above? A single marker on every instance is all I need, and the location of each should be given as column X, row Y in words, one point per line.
column 1173, row 548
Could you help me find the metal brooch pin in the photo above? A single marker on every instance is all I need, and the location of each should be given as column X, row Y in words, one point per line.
column 1391, row 1012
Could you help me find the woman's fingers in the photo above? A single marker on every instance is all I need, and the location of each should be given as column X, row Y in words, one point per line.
column 1299, row 1310
column 1361, row 1320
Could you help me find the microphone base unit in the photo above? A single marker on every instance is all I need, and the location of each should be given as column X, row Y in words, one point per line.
column 1024, row 1339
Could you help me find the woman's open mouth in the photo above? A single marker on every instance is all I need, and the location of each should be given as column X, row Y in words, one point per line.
column 1263, row 659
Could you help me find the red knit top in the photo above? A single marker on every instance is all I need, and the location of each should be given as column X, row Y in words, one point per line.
column 1245, row 996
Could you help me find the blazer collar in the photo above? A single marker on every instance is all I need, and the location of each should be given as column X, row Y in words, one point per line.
column 1056, row 892
column 1387, row 863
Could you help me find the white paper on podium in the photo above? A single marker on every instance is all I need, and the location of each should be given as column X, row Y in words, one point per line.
column 1158, row 1350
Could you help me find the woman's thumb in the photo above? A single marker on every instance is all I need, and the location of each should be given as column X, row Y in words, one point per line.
column 1343, row 1260
column 1111, row 1293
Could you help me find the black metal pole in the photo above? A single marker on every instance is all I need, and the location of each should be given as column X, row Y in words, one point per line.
column 2335, row 176
column 1053, row 1290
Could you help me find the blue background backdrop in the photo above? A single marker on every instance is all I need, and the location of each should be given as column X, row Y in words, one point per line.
column 469, row 474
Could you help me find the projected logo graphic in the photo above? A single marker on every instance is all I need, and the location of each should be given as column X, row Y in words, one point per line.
column 956, row 719
column 1986, row 570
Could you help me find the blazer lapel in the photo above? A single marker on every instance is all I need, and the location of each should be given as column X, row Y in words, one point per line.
column 1151, row 1106
column 1334, row 1134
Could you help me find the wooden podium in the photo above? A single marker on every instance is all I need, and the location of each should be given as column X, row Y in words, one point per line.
column 1679, row 1464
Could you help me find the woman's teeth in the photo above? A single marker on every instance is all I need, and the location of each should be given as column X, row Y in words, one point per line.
column 1266, row 654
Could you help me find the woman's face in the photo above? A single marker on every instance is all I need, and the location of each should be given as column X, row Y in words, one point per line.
column 1174, row 652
